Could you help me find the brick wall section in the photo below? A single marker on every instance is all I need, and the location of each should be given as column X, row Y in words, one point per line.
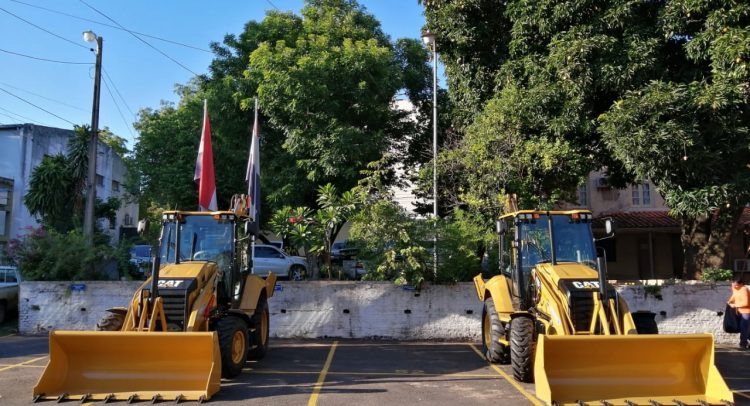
column 370, row 309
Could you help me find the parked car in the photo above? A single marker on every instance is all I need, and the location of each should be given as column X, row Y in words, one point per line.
column 140, row 256
column 271, row 259
column 9, row 279
column 342, row 250
column 353, row 268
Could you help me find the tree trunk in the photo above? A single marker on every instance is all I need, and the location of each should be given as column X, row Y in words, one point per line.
column 707, row 239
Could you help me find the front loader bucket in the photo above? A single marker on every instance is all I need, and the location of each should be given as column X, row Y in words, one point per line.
column 665, row 369
column 116, row 365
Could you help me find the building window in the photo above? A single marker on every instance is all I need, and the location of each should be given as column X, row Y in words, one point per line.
column 4, row 196
column 583, row 195
column 99, row 180
column 115, row 186
column 128, row 221
column 3, row 216
column 641, row 193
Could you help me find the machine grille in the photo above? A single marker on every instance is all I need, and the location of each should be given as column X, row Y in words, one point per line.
column 174, row 296
column 581, row 309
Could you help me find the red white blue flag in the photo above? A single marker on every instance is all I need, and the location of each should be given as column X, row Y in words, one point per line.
column 253, row 172
column 204, row 167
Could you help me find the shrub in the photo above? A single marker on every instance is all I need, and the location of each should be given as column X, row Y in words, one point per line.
column 47, row 255
column 716, row 274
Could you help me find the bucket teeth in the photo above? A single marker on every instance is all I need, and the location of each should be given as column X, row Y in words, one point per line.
column 62, row 397
column 132, row 398
column 109, row 398
column 654, row 403
column 678, row 402
column 38, row 397
column 156, row 398
column 85, row 397
column 179, row 398
column 202, row 399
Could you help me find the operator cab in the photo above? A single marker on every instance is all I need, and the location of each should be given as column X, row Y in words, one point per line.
column 210, row 237
column 528, row 238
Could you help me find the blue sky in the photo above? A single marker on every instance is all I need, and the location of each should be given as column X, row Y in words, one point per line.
column 137, row 75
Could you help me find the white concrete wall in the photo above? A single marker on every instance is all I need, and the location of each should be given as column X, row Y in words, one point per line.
column 370, row 309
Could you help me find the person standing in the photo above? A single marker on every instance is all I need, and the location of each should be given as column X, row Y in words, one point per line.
column 740, row 301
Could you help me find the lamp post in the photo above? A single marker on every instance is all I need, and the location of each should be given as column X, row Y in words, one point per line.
column 88, row 215
column 429, row 39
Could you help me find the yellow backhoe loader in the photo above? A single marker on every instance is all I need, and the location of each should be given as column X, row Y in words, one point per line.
column 198, row 318
column 552, row 315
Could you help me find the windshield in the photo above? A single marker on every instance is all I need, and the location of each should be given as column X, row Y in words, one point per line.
column 141, row 251
column 202, row 238
column 573, row 241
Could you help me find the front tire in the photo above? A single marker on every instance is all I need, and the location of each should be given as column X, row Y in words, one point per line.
column 522, row 348
column 296, row 273
column 260, row 331
column 232, row 344
column 492, row 331
column 112, row 320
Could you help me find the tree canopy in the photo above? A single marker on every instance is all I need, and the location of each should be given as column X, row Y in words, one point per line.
column 654, row 90
column 325, row 80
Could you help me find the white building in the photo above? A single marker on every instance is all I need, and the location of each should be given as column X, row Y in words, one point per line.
column 22, row 148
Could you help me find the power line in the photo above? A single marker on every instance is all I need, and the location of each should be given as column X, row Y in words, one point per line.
column 43, row 97
column 112, row 82
column 113, row 26
column 17, row 116
column 118, row 108
column 140, row 39
column 45, row 30
column 272, row 5
column 45, row 59
column 40, row 108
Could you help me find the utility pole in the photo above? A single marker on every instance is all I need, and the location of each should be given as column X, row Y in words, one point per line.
column 429, row 39
column 88, row 218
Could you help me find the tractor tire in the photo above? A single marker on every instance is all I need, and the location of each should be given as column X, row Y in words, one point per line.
column 259, row 331
column 297, row 273
column 233, row 338
column 645, row 323
column 112, row 321
column 522, row 348
column 492, row 331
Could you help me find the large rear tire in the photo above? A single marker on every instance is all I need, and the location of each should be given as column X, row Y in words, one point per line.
column 259, row 331
column 522, row 348
column 232, row 345
column 112, row 320
column 492, row 331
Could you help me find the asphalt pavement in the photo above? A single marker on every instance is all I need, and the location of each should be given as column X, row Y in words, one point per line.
column 346, row 372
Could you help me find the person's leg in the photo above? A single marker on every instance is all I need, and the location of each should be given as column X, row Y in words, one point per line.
column 744, row 326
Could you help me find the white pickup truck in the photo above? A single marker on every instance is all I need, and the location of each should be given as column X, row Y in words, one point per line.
column 9, row 279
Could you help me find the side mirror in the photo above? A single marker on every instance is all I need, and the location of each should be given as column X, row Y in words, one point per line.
column 501, row 227
column 609, row 226
column 251, row 228
column 142, row 227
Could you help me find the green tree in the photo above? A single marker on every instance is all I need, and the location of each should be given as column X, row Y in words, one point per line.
column 325, row 80
column 688, row 129
column 633, row 87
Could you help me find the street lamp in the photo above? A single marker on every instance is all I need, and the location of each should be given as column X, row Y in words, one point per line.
column 88, row 215
column 429, row 39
